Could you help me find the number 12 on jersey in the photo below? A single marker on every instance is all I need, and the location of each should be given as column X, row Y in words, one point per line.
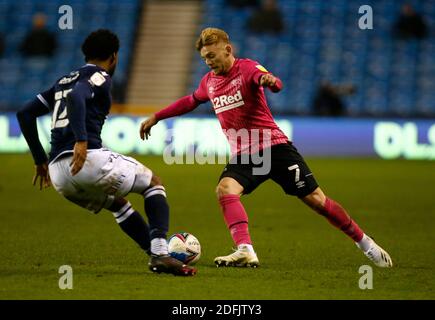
column 60, row 117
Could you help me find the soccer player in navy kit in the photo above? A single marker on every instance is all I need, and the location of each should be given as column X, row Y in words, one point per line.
column 82, row 170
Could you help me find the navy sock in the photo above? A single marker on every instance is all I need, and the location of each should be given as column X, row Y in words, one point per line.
column 134, row 225
column 157, row 211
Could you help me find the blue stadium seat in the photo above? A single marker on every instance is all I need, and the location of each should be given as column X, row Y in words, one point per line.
column 322, row 41
column 21, row 78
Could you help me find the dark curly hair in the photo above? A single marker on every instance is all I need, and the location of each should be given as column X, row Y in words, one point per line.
column 100, row 45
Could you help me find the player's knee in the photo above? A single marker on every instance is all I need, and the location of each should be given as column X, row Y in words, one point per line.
column 142, row 179
column 155, row 188
column 117, row 204
column 316, row 200
column 219, row 191
column 223, row 188
column 156, row 181
column 228, row 186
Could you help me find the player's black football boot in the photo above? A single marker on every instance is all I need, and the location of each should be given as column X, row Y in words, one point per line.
column 167, row 264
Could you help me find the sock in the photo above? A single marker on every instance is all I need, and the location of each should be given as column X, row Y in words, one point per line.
column 157, row 211
column 236, row 218
column 339, row 218
column 159, row 246
column 365, row 243
column 249, row 247
column 133, row 224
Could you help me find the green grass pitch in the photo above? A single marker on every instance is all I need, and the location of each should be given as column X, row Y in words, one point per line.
column 302, row 255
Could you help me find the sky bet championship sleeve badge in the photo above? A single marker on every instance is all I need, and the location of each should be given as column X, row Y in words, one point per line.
column 97, row 79
column 261, row 68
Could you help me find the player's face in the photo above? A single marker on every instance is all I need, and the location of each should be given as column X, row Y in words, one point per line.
column 217, row 57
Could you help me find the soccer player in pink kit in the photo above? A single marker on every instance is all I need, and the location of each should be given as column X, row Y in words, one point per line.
column 236, row 89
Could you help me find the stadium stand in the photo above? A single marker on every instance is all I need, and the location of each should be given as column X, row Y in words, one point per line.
column 322, row 41
column 21, row 78
column 163, row 52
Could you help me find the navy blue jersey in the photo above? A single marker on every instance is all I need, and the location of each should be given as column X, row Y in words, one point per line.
column 79, row 103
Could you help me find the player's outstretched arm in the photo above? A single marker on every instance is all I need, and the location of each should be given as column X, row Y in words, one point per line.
column 272, row 82
column 145, row 127
column 27, row 120
column 42, row 174
column 179, row 107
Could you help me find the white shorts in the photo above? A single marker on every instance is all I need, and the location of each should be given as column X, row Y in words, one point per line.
column 106, row 175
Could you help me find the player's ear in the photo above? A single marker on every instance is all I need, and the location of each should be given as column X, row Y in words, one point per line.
column 228, row 50
column 113, row 57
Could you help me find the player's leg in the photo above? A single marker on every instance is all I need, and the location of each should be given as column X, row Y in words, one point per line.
column 131, row 222
column 96, row 189
column 228, row 192
column 293, row 174
column 237, row 179
column 156, row 209
column 334, row 213
column 156, row 206
column 121, row 175
column 84, row 191
column 339, row 218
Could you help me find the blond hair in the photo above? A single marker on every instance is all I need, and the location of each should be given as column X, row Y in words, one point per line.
column 210, row 36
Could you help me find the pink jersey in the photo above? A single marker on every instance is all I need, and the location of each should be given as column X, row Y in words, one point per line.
column 241, row 107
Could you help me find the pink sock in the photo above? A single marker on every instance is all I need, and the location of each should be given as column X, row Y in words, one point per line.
column 339, row 218
column 236, row 218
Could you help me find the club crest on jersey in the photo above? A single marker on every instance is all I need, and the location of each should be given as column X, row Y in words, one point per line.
column 236, row 82
column 227, row 102
column 210, row 90
column 261, row 68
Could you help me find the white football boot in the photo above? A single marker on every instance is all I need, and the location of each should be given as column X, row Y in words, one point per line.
column 375, row 253
column 242, row 257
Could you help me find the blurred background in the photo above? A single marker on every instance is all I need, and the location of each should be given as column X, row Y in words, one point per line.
column 328, row 64
column 352, row 97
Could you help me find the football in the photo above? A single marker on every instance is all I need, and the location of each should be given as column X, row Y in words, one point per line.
column 184, row 247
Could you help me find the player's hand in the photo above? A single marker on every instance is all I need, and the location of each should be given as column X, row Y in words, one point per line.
column 41, row 173
column 267, row 80
column 79, row 156
column 145, row 127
